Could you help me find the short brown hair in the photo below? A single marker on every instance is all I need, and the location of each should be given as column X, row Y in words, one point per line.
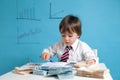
column 70, row 24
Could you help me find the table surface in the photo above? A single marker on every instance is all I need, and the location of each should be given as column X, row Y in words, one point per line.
column 12, row 76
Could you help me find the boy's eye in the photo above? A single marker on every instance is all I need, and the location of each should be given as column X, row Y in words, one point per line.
column 63, row 35
column 70, row 35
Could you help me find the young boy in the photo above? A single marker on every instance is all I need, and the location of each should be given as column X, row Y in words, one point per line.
column 70, row 49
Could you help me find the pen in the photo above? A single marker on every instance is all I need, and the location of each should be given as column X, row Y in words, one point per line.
column 49, row 60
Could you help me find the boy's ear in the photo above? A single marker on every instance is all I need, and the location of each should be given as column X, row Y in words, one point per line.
column 78, row 36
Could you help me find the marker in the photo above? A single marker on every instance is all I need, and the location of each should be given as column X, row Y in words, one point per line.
column 49, row 60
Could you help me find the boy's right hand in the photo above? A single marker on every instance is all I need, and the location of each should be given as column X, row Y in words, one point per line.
column 45, row 56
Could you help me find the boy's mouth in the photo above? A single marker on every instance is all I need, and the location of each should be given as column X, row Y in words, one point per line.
column 67, row 43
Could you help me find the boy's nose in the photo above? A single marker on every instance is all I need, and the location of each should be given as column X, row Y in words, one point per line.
column 66, row 38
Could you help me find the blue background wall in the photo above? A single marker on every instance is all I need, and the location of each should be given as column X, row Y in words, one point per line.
column 28, row 26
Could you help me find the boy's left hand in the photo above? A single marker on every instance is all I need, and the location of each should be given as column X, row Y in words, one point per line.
column 89, row 62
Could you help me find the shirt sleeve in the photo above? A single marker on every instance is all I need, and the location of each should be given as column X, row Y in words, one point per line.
column 52, row 50
column 88, row 53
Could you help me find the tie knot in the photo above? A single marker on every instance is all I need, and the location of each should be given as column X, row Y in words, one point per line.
column 69, row 47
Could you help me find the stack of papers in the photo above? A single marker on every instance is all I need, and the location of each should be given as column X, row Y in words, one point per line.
column 94, row 71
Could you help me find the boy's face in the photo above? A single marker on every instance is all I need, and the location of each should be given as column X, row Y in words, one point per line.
column 69, row 38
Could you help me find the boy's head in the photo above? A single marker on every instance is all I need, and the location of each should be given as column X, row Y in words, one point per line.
column 70, row 29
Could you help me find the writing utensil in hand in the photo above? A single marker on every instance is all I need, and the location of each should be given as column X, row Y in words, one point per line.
column 49, row 60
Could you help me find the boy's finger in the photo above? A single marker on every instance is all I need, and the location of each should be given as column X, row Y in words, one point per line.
column 47, row 57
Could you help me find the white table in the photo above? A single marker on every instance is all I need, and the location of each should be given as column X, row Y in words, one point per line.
column 12, row 76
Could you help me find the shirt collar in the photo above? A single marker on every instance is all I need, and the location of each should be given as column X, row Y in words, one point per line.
column 74, row 45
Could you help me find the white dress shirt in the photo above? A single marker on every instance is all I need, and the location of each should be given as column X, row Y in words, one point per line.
column 80, row 52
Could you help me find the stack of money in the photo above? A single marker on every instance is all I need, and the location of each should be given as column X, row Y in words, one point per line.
column 59, row 69
column 26, row 69
column 23, row 71
column 68, row 75
column 94, row 71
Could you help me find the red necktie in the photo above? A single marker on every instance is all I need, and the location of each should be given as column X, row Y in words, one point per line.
column 65, row 56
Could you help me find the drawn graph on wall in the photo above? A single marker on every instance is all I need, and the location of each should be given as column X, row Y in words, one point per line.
column 29, row 22
column 26, row 10
column 32, row 14
column 29, row 35
column 57, row 11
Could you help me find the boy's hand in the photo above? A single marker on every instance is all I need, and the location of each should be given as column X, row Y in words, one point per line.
column 45, row 56
column 82, row 64
column 89, row 62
